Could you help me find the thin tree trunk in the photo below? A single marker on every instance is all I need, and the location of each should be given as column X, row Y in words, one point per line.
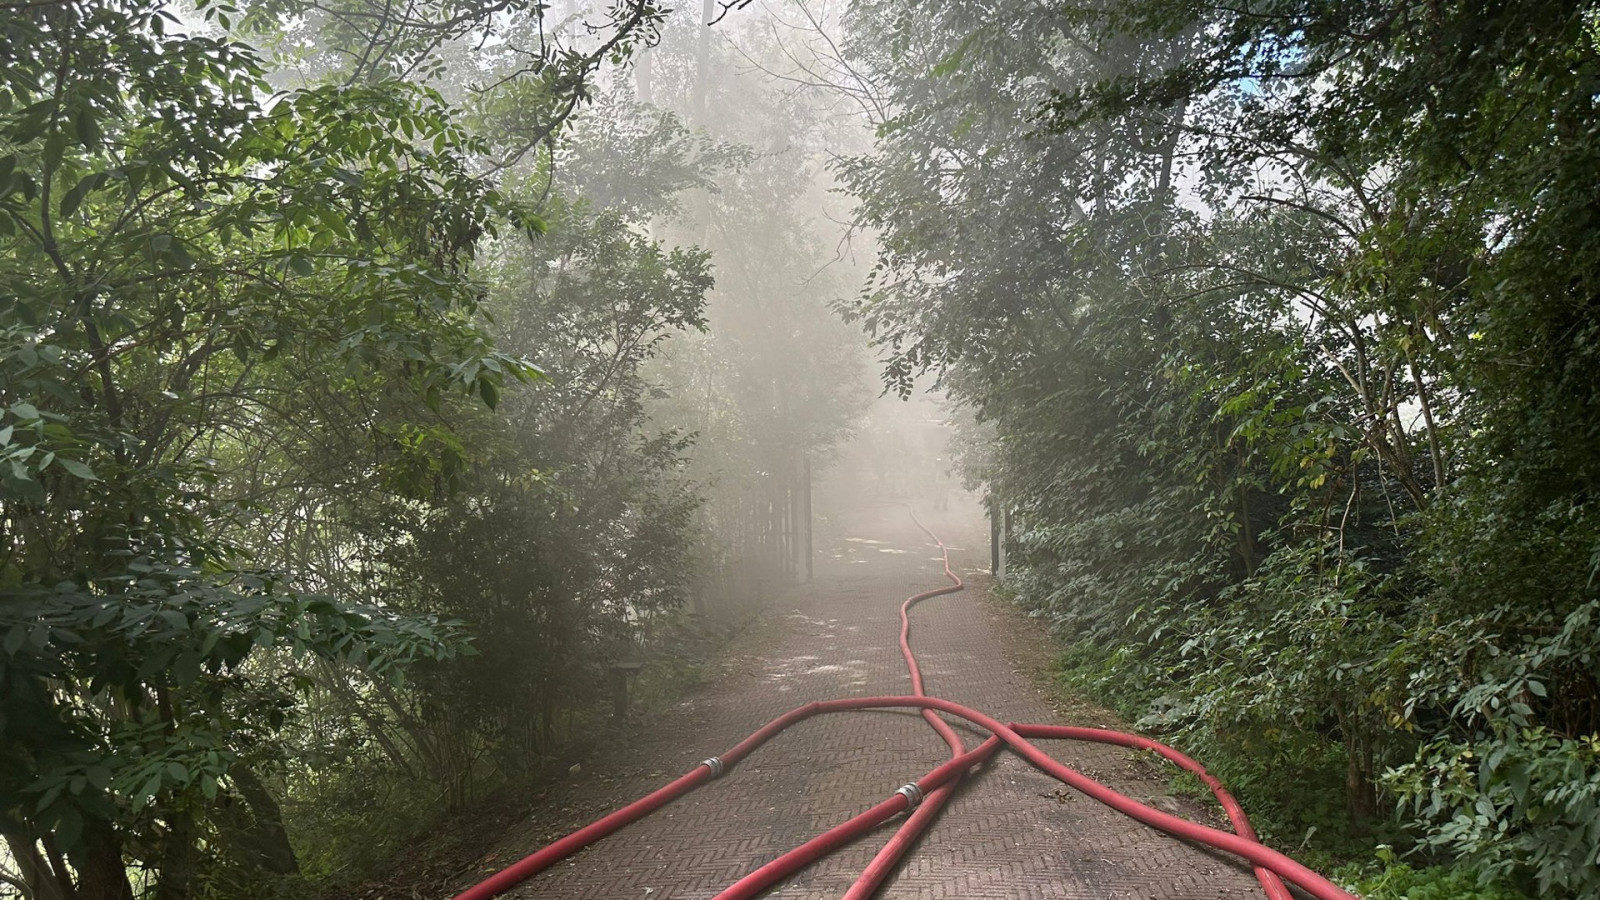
column 703, row 61
column 264, row 842
column 1434, row 450
column 42, row 882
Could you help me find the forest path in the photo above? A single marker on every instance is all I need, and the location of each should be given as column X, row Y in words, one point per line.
column 1011, row 832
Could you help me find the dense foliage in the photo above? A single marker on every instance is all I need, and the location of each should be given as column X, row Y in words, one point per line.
column 331, row 484
column 1283, row 315
column 261, row 454
column 182, row 255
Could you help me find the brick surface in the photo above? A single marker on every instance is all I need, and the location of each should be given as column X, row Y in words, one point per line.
column 1011, row 832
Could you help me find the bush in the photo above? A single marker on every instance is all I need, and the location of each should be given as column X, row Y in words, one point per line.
column 1523, row 805
column 1389, row 879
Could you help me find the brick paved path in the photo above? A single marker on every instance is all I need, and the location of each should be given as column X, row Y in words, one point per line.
column 1010, row 833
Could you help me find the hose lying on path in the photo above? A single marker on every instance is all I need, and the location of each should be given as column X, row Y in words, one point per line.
column 1271, row 867
column 889, row 855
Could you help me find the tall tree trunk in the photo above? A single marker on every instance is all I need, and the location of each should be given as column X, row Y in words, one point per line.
column 260, row 841
column 1361, row 793
column 644, row 76
column 703, row 61
column 180, row 858
column 102, row 875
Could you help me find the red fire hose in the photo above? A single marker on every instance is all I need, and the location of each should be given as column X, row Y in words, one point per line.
column 824, row 843
column 890, row 854
column 1270, row 882
column 1270, row 865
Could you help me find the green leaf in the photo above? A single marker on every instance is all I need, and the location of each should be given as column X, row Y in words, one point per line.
column 152, row 786
column 49, row 796
column 179, row 254
column 952, row 63
column 77, row 469
column 75, row 197
column 55, row 145
column 1518, row 779
column 69, row 828
column 87, row 126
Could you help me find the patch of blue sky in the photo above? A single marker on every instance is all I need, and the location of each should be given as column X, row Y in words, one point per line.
column 1286, row 52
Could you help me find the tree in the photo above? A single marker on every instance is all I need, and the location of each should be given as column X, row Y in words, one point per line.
column 179, row 247
column 778, row 380
column 1282, row 401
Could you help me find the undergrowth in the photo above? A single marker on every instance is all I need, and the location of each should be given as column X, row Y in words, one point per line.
column 342, row 846
column 1290, row 782
column 1387, row 878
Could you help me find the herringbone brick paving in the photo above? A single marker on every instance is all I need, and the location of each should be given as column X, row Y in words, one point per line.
column 1011, row 832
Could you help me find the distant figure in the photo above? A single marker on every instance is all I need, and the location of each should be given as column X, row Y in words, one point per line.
column 941, row 485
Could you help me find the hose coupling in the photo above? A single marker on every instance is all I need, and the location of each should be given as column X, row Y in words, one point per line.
column 913, row 795
column 714, row 764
